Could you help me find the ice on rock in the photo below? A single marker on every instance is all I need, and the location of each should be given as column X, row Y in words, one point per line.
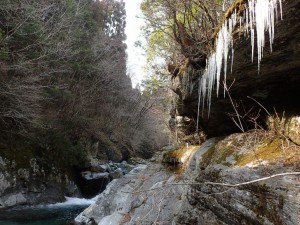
column 258, row 18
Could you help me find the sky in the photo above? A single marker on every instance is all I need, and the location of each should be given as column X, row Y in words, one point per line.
column 136, row 56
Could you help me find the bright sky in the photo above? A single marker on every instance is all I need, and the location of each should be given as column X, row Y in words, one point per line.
column 136, row 56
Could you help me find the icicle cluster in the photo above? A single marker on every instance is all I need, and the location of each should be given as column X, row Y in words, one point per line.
column 257, row 18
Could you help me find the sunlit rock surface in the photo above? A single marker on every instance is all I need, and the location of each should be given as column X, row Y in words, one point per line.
column 244, row 157
column 146, row 195
column 157, row 193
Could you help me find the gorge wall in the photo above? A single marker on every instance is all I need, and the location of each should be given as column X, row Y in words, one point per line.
column 275, row 87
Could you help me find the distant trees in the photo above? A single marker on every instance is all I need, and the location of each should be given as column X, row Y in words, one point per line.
column 182, row 29
column 63, row 75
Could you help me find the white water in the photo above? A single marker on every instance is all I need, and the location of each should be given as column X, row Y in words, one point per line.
column 74, row 202
column 258, row 18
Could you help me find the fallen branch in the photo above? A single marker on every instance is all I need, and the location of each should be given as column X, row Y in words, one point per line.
column 218, row 184
column 253, row 181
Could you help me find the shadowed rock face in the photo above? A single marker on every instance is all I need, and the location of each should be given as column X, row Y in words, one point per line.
column 275, row 86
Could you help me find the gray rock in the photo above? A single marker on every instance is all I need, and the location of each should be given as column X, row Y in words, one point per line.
column 131, row 200
column 14, row 199
column 126, row 168
column 156, row 195
column 86, row 174
column 72, row 190
column 136, row 161
column 116, row 174
column 4, row 183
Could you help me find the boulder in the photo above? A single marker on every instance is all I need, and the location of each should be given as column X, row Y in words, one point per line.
column 241, row 158
column 14, row 199
column 118, row 173
column 136, row 161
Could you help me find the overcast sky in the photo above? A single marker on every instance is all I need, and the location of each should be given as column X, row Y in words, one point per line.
column 136, row 59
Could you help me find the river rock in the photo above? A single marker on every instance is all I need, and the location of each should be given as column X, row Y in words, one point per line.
column 162, row 196
column 73, row 190
column 88, row 175
column 118, row 173
column 136, row 160
column 147, row 194
column 13, row 199
column 4, row 183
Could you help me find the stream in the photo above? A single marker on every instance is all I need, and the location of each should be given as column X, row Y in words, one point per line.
column 53, row 214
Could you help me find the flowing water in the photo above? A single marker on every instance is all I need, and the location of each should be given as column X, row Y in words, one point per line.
column 54, row 214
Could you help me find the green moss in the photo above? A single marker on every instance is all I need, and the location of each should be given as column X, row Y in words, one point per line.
column 269, row 150
column 176, row 154
column 217, row 155
column 246, row 148
column 177, row 159
column 207, row 157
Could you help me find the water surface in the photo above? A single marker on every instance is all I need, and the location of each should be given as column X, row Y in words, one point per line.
column 54, row 214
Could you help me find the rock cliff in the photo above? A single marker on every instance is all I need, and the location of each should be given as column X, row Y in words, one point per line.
column 274, row 87
column 30, row 176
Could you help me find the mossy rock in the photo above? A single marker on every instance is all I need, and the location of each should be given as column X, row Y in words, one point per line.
column 252, row 149
column 177, row 159
column 173, row 157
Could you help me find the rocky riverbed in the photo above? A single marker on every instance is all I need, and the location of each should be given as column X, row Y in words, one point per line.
column 162, row 193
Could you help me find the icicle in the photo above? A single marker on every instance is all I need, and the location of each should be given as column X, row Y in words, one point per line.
column 199, row 102
column 280, row 7
column 232, row 57
column 258, row 18
column 272, row 24
column 251, row 9
column 240, row 22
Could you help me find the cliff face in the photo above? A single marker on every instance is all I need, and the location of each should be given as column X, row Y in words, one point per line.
column 274, row 87
column 31, row 185
column 30, row 175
